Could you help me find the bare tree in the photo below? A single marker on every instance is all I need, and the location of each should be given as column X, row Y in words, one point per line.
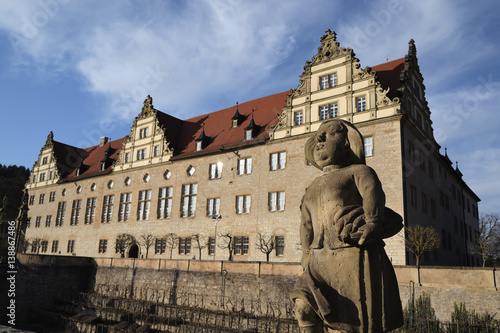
column 227, row 242
column 200, row 243
column 147, row 241
column 35, row 243
column 421, row 239
column 265, row 244
column 123, row 241
column 486, row 241
column 172, row 242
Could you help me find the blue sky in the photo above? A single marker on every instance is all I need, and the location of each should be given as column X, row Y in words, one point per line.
column 83, row 69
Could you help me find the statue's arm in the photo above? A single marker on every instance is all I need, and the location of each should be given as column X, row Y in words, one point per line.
column 306, row 232
column 370, row 189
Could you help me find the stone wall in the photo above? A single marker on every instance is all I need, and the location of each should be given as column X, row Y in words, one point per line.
column 44, row 281
column 254, row 287
column 271, row 283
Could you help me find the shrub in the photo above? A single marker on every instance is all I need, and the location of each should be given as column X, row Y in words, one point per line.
column 419, row 316
column 463, row 320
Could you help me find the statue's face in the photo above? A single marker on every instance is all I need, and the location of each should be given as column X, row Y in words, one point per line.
column 331, row 145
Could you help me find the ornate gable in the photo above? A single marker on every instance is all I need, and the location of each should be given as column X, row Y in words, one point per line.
column 147, row 142
column 333, row 84
column 45, row 170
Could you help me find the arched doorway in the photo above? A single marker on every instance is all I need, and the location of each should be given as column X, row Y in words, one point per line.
column 133, row 251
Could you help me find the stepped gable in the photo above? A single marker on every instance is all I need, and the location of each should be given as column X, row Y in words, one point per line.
column 218, row 128
column 90, row 159
column 388, row 75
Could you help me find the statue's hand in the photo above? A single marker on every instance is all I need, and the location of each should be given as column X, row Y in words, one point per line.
column 372, row 232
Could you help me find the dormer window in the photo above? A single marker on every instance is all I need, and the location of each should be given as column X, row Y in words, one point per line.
column 249, row 130
column 44, row 160
column 236, row 119
column 143, row 132
column 103, row 166
column 77, row 173
column 201, row 140
column 248, row 134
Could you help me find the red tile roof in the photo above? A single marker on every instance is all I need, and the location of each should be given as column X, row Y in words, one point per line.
column 218, row 126
column 69, row 159
column 388, row 75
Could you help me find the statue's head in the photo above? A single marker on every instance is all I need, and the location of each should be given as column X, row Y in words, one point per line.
column 337, row 142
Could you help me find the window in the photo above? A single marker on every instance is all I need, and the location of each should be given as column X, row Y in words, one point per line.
column 156, row 150
column 360, row 104
column 165, row 202
column 90, row 210
column 32, row 200
column 45, row 245
column 211, row 246
column 328, row 111
column 48, row 220
column 143, row 132
column 248, row 134
column 144, row 205
column 213, row 206
column 42, row 177
column 413, row 196
column 38, row 221
column 107, row 208
column 276, row 201
column 44, row 160
column 243, row 204
column 51, row 174
column 328, row 81
column 125, row 202
column 34, row 178
column 279, row 245
column 199, row 145
column 61, row 208
column 245, row 166
column 127, row 157
column 103, row 245
column 141, row 154
column 433, row 208
column 41, row 199
column 424, row 203
column 75, row 212
column 71, row 246
column 215, row 170
column 368, row 142
column 52, row 196
column 184, row 245
column 277, row 160
column 28, row 224
column 299, row 118
column 55, row 245
column 160, row 245
column 240, row 245
column 188, row 199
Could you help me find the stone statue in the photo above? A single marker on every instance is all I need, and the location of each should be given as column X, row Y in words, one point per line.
column 348, row 283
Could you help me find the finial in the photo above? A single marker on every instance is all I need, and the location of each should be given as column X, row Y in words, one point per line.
column 330, row 35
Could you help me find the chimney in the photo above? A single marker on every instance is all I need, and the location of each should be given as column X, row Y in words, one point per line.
column 104, row 140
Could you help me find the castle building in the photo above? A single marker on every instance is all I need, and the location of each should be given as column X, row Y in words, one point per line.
column 229, row 183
